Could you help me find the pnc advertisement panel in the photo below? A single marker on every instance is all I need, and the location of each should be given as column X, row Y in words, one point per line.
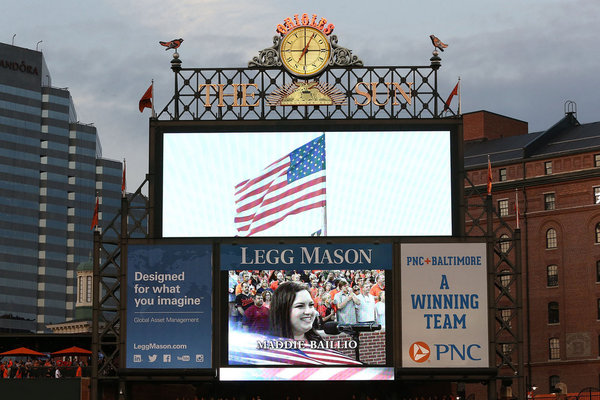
column 301, row 309
column 169, row 296
column 444, row 305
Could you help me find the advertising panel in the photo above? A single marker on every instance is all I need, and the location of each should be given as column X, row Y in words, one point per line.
column 372, row 183
column 297, row 310
column 444, row 305
column 169, row 296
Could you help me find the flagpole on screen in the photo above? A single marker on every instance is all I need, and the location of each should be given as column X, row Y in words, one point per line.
column 325, row 218
column 153, row 112
column 325, row 206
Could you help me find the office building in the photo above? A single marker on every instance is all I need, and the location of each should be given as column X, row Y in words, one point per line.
column 51, row 169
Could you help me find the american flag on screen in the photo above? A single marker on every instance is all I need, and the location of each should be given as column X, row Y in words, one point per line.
column 243, row 350
column 293, row 184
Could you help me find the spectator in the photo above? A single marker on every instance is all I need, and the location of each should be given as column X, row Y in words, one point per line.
column 379, row 286
column 276, row 283
column 257, row 316
column 267, row 297
column 365, row 312
column 264, row 286
column 326, row 312
column 345, row 301
column 244, row 300
column 380, row 310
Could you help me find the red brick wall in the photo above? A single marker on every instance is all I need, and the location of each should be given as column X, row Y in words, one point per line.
column 574, row 218
column 483, row 124
column 372, row 346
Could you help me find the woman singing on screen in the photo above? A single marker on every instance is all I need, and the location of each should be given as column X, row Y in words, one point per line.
column 293, row 313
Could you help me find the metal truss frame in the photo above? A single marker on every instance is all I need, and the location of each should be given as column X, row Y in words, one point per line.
column 506, row 294
column 195, row 99
column 108, row 336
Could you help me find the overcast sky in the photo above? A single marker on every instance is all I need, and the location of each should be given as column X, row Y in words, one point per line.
column 520, row 58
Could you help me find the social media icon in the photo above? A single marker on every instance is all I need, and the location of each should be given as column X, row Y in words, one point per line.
column 199, row 358
column 152, row 358
column 137, row 358
column 183, row 358
column 166, row 358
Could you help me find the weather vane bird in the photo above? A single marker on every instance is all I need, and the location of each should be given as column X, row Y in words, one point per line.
column 173, row 44
column 437, row 43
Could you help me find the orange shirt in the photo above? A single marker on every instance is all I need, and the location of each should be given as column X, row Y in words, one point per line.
column 375, row 290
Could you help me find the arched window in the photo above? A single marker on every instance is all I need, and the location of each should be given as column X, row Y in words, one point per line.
column 553, row 381
column 598, row 232
column 554, row 349
column 552, row 275
column 504, row 277
column 553, row 316
column 504, row 243
column 551, row 240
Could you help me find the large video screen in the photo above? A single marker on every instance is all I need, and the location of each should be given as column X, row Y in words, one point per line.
column 306, row 313
column 351, row 183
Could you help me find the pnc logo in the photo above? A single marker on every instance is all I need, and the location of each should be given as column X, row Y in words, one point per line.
column 419, row 352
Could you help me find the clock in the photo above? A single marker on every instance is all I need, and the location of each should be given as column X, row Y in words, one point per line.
column 305, row 51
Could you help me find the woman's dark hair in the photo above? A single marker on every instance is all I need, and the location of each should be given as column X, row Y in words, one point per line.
column 281, row 306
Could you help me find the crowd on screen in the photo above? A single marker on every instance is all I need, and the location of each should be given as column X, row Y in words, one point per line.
column 342, row 296
column 39, row 368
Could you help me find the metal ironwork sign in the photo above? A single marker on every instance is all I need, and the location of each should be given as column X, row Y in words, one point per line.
column 305, row 74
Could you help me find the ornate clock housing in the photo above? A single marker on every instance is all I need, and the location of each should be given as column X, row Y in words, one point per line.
column 305, row 51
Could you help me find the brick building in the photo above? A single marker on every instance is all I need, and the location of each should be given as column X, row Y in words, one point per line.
column 556, row 176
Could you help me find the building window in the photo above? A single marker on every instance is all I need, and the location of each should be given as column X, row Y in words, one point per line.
column 597, row 195
column 552, row 275
column 506, row 317
column 551, row 240
column 598, row 232
column 548, row 167
column 504, row 243
column 549, row 201
column 553, row 381
column 507, row 350
column 503, row 207
column 81, row 290
column 88, row 292
column 554, row 349
column 598, row 301
column 553, row 312
column 504, row 278
column 598, row 271
column 502, row 174
column 596, row 160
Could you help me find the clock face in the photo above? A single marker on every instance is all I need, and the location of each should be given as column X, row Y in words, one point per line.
column 305, row 51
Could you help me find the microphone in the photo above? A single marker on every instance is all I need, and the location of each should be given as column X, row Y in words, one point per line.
column 333, row 328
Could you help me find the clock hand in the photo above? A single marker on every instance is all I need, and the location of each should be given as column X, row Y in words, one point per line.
column 306, row 48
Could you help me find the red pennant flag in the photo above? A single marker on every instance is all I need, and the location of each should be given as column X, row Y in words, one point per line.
column 449, row 100
column 123, row 182
column 489, row 177
column 146, row 100
column 95, row 218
